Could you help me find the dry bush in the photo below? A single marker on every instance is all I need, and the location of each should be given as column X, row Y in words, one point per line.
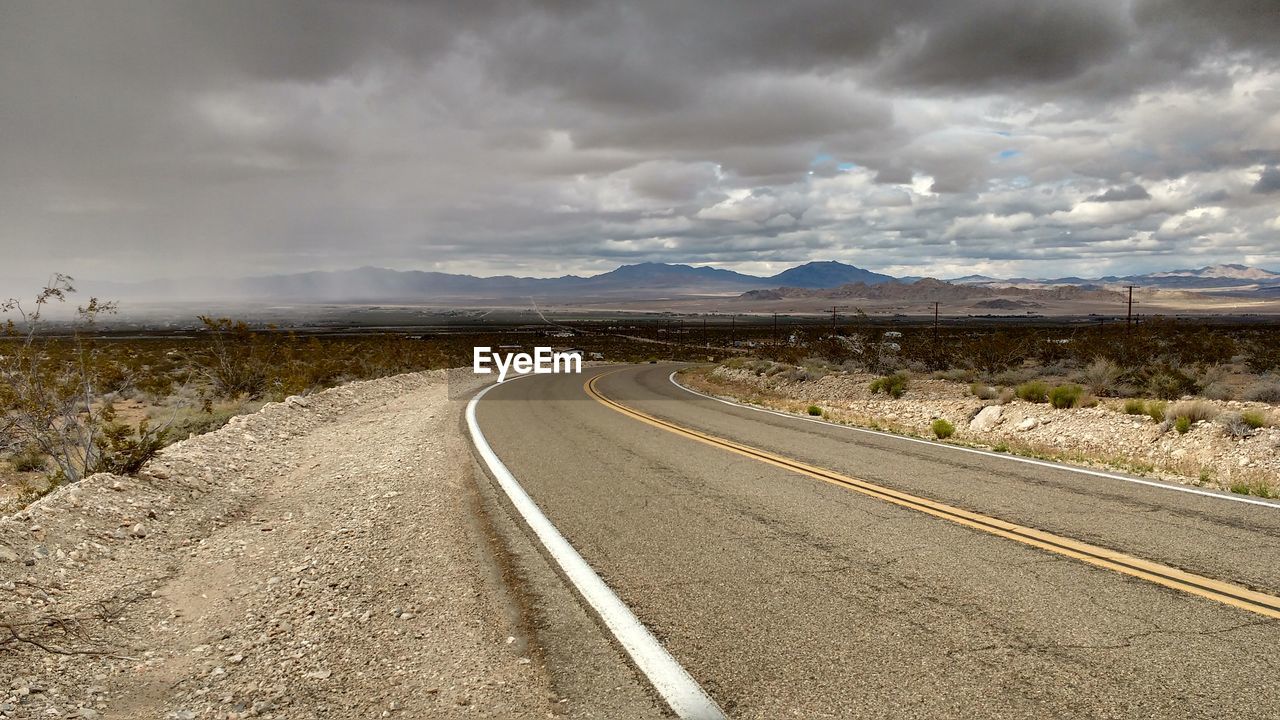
column 1101, row 376
column 1193, row 410
column 55, row 393
column 894, row 385
column 1234, row 425
column 1264, row 391
column 984, row 392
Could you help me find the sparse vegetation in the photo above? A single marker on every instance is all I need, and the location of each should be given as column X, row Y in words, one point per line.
column 894, row 385
column 815, row 410
column 984, row 392
column 56, row 393
column 1034, row 391
column 1267, row 392
column 1255, row 419
column 1066, row 396
column 1256, row 488
column 1101, row 377
column 1234, row 425
column 1194, row 411
column 1134, row 406
column 1156, row 410
column 943, row 429
column 1182, row 424
column 28, row 459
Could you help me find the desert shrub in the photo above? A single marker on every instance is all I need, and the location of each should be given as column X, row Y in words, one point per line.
column 28, row 459
column 1194, row 411
column 155, row 385
column 1234, row 425
column 1254, row 419
column 237, row 360
column 1267, row 392
column 1035, row 391
column 815, row 410
column 55, row 391
column 123, row 450
column 1134, row 406
column 1012, row 378
column 775, row 369
column 955, row 375
column 1101, row 376
column 1006, row 396
column 1087, row 400
column 1217, row 391
column 1263, row 355
column 894, row 385
column 1256, row 487
column 1182, row 424
column 804, row 374
column 1157, row 410
column 985, row 392
column 1169, row 383
column 1065, row 396
column 943, row 429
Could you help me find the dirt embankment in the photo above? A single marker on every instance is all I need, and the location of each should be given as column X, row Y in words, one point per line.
column 1102, row 436
column 315, row 559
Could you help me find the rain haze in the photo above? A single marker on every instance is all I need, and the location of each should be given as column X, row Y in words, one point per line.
column 151, row 140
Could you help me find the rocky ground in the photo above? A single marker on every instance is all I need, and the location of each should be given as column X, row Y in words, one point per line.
column 1103, row 435
column 322, row 558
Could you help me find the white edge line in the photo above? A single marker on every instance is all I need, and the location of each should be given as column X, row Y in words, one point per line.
column 988, row 453
column 680, row 691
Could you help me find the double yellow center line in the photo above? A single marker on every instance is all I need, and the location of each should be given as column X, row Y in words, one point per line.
column 1223, row 592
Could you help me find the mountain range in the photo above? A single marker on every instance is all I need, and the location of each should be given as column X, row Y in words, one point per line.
column 1206, row 278
column 371, row 284
column 639, row 281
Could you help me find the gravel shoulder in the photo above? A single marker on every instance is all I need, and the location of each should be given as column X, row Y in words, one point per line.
column 331, row 556
column 1102, row 436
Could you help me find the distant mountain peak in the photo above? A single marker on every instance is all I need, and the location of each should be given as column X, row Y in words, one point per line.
column 827, row 273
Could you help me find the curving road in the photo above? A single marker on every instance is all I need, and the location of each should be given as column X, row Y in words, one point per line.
column 785, row 595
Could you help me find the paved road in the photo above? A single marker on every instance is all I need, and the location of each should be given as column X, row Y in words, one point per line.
column 789, row 597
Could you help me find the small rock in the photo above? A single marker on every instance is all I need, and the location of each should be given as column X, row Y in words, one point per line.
column 319, row 674
column 1027, row 424
column 138, row 531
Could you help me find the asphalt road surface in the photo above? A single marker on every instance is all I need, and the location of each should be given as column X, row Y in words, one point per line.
column 787, row 596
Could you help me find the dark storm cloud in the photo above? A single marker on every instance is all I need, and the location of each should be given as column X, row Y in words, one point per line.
column 152, row 137
column 1268, row 181
column 1121, row 194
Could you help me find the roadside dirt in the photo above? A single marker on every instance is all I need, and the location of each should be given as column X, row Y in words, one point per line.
column 326, row 557
column 1102, row 436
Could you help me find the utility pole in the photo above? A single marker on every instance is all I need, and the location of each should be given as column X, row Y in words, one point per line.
column 833, row 319
column 1128, row 320
column 935, row 322
column 775, row 328
column 733, row 330
column 705, row 337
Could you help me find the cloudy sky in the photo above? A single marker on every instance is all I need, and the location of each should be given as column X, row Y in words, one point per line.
column 145, row 139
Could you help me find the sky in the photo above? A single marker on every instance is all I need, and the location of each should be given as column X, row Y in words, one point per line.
column 165, row 138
